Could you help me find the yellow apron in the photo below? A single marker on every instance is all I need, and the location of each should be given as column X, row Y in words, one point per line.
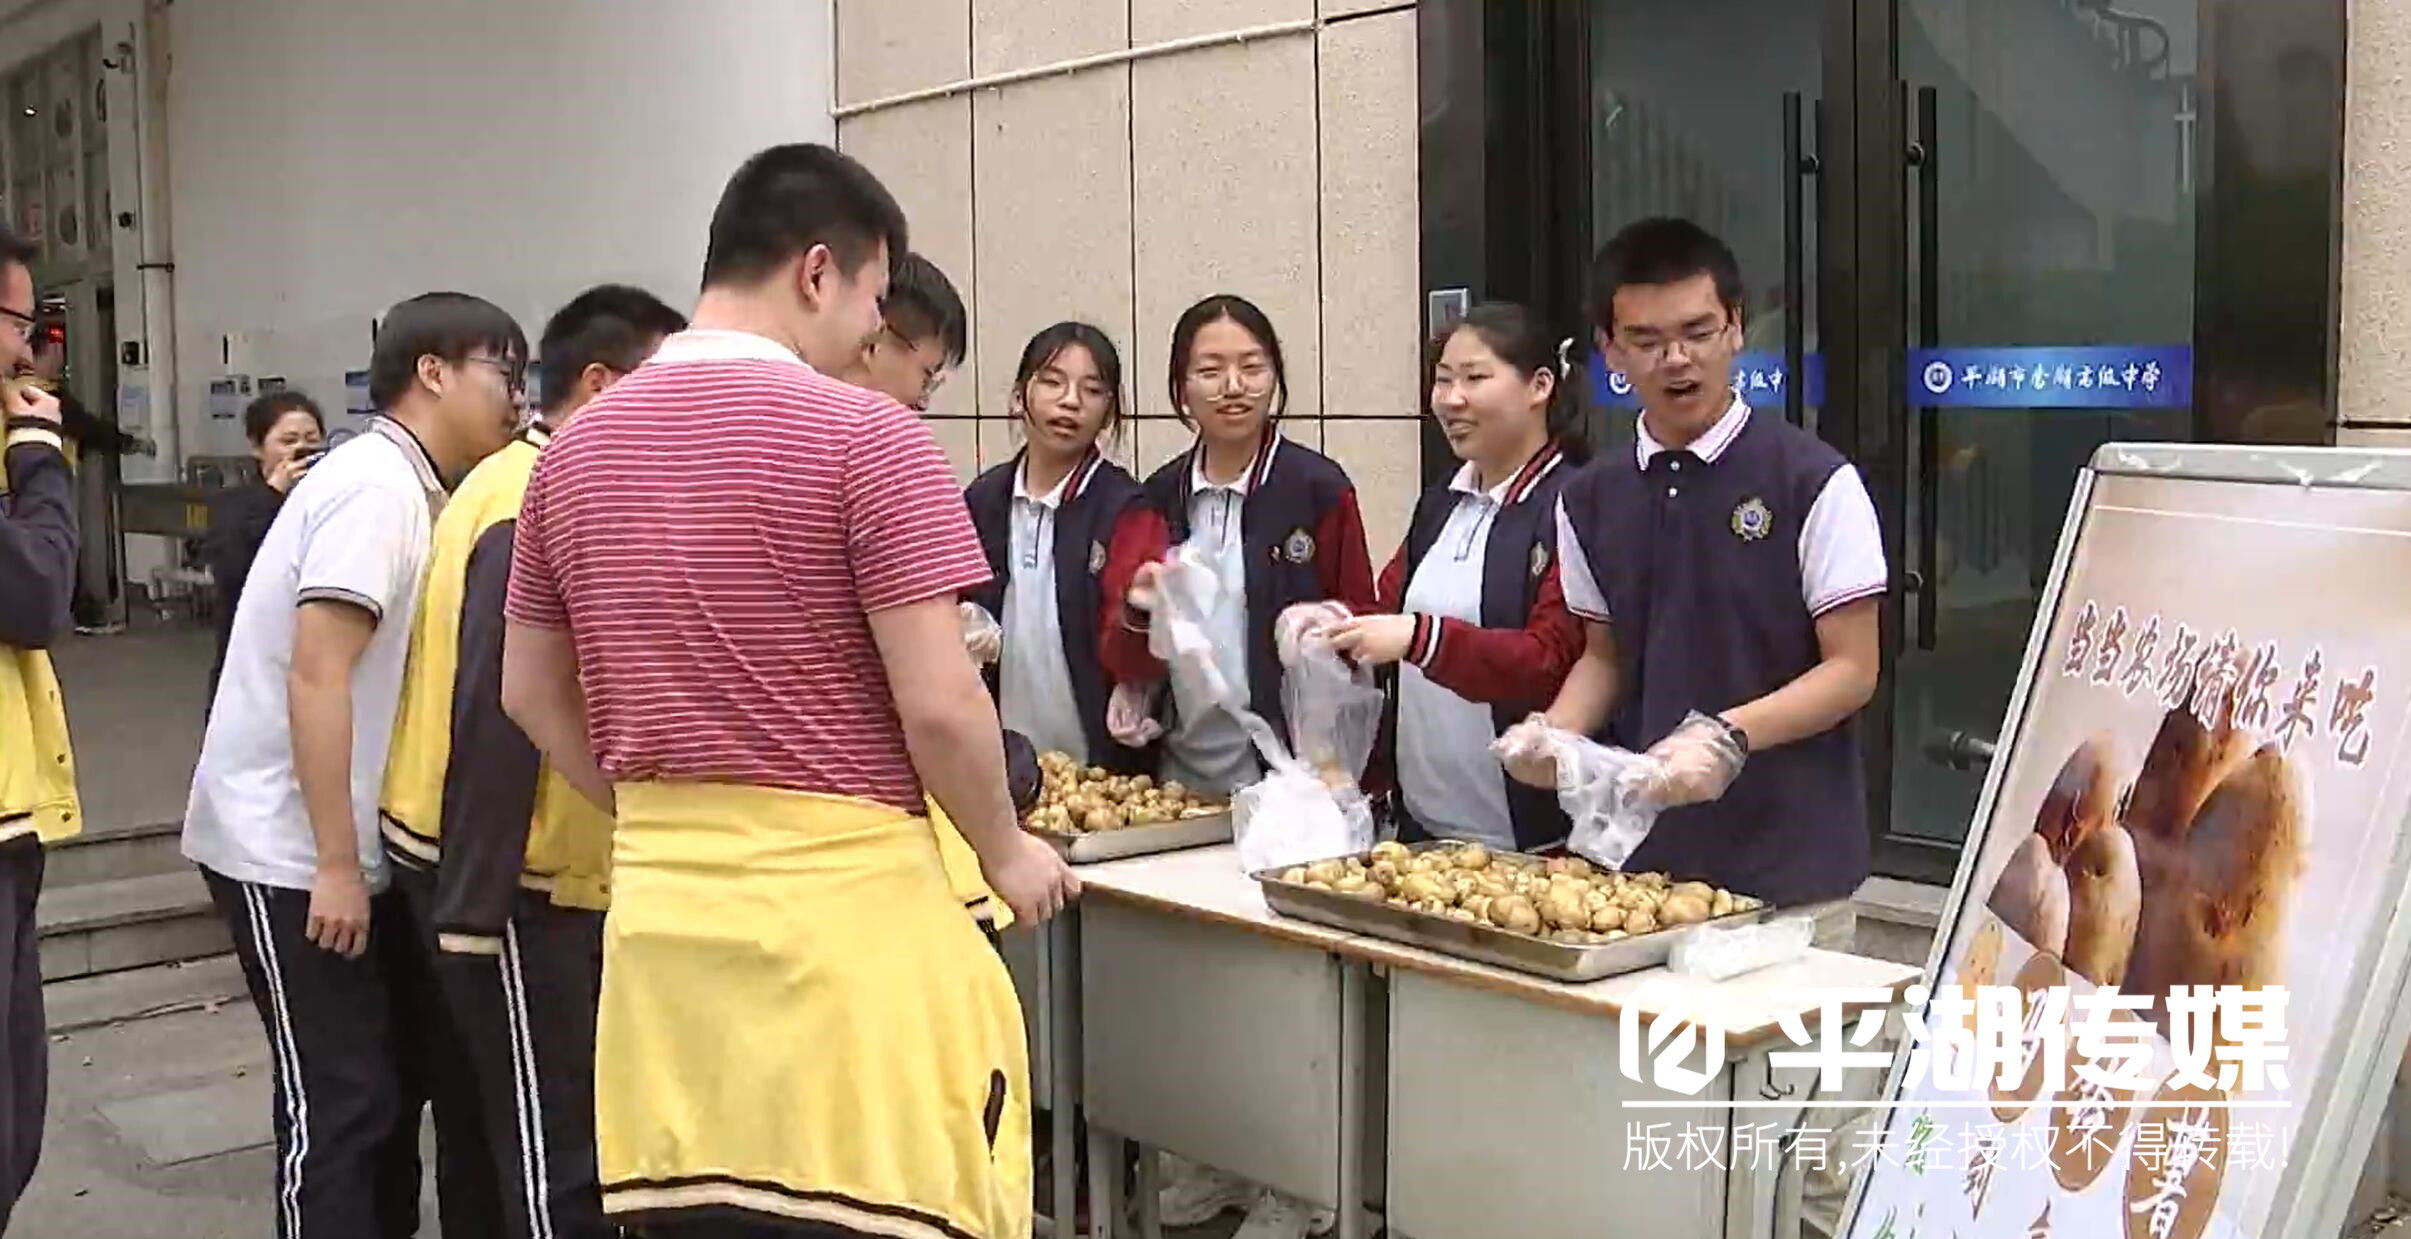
column 963, row 877
column 798, row 1020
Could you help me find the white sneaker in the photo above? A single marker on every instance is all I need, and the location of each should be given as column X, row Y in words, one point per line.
column 1194, row 1195
column 1283, row 1217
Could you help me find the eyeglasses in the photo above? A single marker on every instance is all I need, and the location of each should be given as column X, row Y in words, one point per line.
column 18, row 325
column 1660, row 352
column 1253, row 378
column 514, row 378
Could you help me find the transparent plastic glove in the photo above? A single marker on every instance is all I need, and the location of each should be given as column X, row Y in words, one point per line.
column 1698, row 760
column 1296, row 623
column 983, row 637
column 1527, row 752
column 1290, row 817
column 1130, row 714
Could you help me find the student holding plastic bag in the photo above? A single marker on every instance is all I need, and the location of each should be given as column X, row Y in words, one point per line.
column 1475, row 618
column 1045, row 518
column 1728, row 573
column 1275, row 521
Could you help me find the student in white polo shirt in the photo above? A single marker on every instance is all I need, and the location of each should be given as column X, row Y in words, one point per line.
column 283, row 815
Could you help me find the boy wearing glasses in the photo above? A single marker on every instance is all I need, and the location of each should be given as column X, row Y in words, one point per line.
column 37, row 773
column 923, row 334
column 1730, row 565
column 283, row 814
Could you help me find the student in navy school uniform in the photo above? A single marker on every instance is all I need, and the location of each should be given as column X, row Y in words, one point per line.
column 1282, row 519
column 1475, row 616
column 1272, row 513
column 1730, row 564
column 1046, row 518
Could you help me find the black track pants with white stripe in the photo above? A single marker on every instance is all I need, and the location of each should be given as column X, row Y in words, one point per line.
column 339, row 1172
column 525, row 1007
column 24, row 1044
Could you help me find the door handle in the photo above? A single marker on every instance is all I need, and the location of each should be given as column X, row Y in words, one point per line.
column 1960, row 750
column 1799, row 167
column 1923, row 157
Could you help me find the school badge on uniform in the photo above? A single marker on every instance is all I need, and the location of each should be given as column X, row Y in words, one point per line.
column 1096, row 558
column 1540, row 560
column 1752, row 520
column 1298, row 547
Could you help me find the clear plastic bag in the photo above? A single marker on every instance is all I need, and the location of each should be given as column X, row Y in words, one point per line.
column 1292, row 817
column 1610, row 794
column 1717, row 952
column 1333, row 704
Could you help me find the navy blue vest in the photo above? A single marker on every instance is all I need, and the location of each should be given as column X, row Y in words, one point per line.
column 1515, row 558
column 1700, row 565
column 1280, row 522
column 1083, row 531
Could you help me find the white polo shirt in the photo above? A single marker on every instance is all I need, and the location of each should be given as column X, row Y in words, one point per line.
column 355, row 530
column 1208, row 749
column 1033, row 678
column 1841, row 544
column 1451, row 782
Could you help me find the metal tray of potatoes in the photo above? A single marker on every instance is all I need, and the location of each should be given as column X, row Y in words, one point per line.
column 1189, row 832
column 1488, row 944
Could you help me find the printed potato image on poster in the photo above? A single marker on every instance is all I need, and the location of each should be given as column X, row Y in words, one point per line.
column 2197, row 806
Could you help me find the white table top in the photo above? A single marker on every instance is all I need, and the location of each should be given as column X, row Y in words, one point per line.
column 1208, row 884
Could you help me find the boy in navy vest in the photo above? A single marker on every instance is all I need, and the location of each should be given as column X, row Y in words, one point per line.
column 1729, row 564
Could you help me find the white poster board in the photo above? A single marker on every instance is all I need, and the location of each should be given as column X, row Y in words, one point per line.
column 2205, row 781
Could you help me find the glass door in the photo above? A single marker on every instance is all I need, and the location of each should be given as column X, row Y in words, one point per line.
column 1709, row 109
column 2048, row 180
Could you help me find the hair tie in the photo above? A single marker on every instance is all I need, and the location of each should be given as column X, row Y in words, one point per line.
column 1565, row 357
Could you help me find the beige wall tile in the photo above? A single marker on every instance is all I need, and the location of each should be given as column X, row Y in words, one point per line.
column 1020, row 34
column 1370, row 231
column 1384, row 460
column 2372, row 366
column 888, row 47
column 1051, row 163
column 2379, row 437
column 956, row 436
column 1154, row 441
column 922, row 152
column 1154, row 21
column 1225, row 199
column 998, row 440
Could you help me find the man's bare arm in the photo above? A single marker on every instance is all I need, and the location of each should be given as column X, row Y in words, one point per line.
column 1840, row 685
column 1589, row 693
column 328, row 638
column 541, row 692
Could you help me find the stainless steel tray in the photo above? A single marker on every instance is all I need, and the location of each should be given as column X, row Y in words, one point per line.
column 1487, row 944
column 1188, row 832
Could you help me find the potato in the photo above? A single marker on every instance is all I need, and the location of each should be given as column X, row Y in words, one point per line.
column 1683, row 908
column 1350, row 884
column 1635, row 898
column 1515, row 913
column 1614, row 935
column 1142, row 783
column 1571, row 866
column 2031, row 895
column 2185, row 763
column 1105, row 819
column 1747, row 903
column 1385, row 871
column 2105, row 896
column 1640, row 921
column 1473, row 857
column 1326, row 870
column 1563, row 909
column 1370, row 892
column 1494, row 886
column 2215, row 898
column 2081, row 797
column 1570, row 937
column 1174, row 790
column 1460, row 915
column 1721, row 904
column 1704, row 892
column 1607, row 918
column 1317, row 884
column 1426, row 888
column 1294, row 875
column 1479, row 905
column 1393, row 851
column 1595, row 899
column 1430, row 907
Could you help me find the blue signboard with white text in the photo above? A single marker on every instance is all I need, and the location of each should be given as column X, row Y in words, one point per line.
column 2102, row 376
column 1758, row 376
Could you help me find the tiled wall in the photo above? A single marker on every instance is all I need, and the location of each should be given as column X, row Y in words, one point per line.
column 1282, row 169
column 2373, row 367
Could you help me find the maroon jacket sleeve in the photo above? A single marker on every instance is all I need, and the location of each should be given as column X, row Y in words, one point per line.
column 1140, row 536
column 1496, row 665
column 1347, row 568
column 1389, row 592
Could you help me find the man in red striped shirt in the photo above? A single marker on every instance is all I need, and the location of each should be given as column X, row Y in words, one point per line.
column 732, row 618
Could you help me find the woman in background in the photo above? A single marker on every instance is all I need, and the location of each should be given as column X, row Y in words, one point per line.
column 287, row 432
column 1475, row 617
